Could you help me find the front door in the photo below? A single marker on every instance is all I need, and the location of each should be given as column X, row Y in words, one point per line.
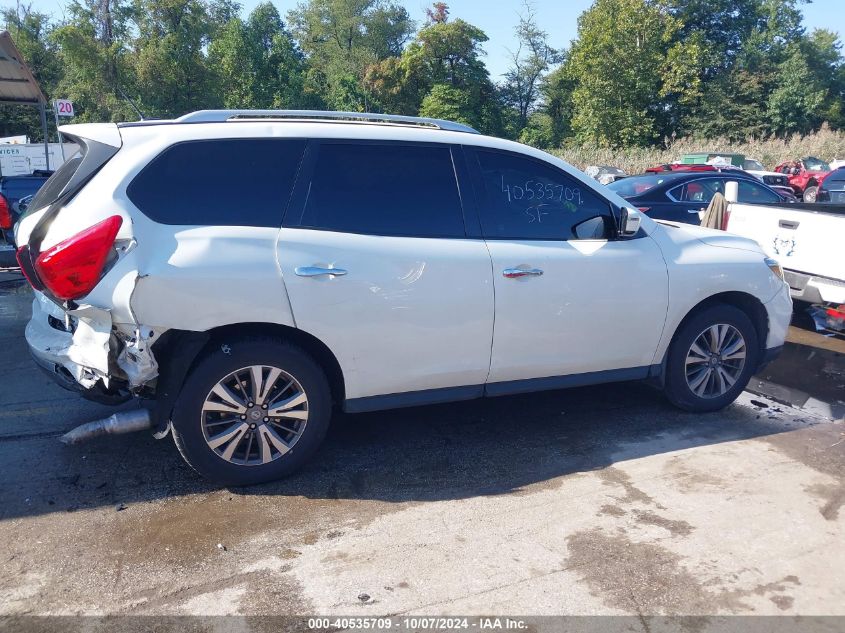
column 570, row 299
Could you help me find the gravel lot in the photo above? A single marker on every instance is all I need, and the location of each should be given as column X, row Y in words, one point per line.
column 600, row 500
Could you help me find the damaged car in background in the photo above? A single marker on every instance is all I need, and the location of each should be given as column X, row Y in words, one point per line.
column 605, row 174
column 242, row 273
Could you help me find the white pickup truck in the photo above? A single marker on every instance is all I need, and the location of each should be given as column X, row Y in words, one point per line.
column 808, row 240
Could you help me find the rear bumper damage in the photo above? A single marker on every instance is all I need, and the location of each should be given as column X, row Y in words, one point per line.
column 83, row 350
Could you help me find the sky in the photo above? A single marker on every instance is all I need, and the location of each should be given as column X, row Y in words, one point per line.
column 497, row 19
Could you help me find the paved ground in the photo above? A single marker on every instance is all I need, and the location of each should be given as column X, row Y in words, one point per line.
column 590, row 501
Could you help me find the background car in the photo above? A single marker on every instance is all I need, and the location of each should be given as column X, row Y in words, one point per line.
column 12, row 190
column 680, row 196
column 605, row 174
column 832, row 188
column 805, row 176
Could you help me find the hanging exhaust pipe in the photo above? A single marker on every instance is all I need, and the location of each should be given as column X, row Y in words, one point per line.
column 117, row 424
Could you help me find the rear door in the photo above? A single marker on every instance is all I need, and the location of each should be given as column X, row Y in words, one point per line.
column 378, row 266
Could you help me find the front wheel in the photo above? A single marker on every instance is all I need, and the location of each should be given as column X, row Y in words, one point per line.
column 251, row 410
column 810, row 194
column 711, row 359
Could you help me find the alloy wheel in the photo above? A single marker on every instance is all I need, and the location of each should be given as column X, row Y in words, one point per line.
column 254, row 415
column 715, row 360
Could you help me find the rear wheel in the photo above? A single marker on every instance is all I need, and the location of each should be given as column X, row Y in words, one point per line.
column 711, row 359
column 251, row 411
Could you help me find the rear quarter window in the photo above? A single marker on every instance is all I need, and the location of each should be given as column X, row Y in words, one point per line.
column 229, row 182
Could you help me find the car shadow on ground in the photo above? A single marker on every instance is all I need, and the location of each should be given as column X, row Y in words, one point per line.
column 450, row 451
column 453, row 451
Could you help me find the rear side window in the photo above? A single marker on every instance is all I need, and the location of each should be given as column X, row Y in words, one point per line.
column 526, row 199
column 384, row 189
column 701, row 191
column 229, row 182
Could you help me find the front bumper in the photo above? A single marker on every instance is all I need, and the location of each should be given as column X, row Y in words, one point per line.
column 815, row 289
column 779, row 312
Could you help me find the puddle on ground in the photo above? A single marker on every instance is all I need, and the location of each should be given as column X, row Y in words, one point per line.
column 809, row 374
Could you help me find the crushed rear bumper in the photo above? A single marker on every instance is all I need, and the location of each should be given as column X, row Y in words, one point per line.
column 82, row 351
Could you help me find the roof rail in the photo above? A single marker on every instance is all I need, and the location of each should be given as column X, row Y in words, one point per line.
column 220, row 116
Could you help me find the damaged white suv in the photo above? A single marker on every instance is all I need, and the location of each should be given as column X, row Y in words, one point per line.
column 246, row 271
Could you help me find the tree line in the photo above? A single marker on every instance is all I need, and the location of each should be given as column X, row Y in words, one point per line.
column 639, row 73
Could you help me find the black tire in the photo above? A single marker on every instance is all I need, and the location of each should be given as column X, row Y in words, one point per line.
column 810, row 194
column 677, row 389
column 220, row 360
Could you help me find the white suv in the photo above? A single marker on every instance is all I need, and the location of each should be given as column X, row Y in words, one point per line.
column 248, row 270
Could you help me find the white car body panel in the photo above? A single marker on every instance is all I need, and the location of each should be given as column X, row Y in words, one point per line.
column 688, row 251
column 410, row 314
column 558, row 324
column 809, row 243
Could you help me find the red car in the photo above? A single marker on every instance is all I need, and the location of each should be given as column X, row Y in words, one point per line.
column 805, row 176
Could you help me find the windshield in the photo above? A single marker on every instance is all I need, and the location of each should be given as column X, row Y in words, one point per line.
column 814, row 164
column 752, row 165
column 636, row 185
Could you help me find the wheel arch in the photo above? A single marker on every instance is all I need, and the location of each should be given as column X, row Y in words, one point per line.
column 744, row 301
column 177, row 351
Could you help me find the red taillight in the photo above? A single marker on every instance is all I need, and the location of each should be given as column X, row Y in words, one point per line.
column 644, row 209
column 5, row 214
column 72, row 268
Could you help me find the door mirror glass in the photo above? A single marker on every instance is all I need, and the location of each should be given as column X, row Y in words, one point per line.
column 630, row 224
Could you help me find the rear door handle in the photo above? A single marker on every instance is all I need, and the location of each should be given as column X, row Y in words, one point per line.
column 316, row 271
column 788, row 224
column 516, row 273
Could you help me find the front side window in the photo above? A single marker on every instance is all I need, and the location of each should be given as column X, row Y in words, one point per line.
column 528, row 199
column 222, row 182
column 384, row 189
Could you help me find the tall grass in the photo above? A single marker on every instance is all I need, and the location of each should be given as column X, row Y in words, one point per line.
column 825, row 144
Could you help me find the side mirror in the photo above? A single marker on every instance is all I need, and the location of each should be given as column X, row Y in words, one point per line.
column 630, row 223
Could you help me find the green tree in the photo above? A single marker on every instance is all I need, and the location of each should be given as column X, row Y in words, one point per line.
column 341, row 39
column 529, row 63
column 616, row 65
column 31, row 32
column 98, row 71
column 797, row 103
column 258, row 64
column 172, row 73
column 440, row 73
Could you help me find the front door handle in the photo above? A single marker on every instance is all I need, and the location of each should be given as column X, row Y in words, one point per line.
column 516, row 273
column 316, row 271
